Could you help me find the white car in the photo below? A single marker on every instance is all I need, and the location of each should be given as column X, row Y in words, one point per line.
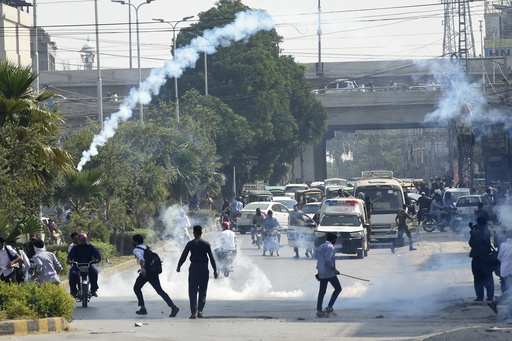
column 285, row 200
column 280, row 212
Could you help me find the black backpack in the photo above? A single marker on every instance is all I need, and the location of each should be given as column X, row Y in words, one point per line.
column 152, row 262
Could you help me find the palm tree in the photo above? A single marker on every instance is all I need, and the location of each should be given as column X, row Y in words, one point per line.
column 27, row 126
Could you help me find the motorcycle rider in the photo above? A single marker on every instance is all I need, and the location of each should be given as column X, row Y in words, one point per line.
column 436, row 208
column 447, row 201
column 256, row 222
column 269, row 227
column 236, row 206
column 83, row 252
column 423, row 202
column 228, row 244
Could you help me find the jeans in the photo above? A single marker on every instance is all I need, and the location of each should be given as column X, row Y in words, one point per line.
column 155, row 283
column 74, row 275
column 198, row 277
column 323, row 288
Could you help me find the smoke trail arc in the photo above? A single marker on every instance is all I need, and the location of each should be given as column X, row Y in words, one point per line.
column 245, row 25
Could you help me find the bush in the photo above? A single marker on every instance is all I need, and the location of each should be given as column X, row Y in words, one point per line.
column 63, row 257
column 125, row 239
column 106, row 250
column 32, row 300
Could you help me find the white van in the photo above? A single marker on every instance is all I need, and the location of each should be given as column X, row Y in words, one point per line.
column 347, row 218
column 387, row 196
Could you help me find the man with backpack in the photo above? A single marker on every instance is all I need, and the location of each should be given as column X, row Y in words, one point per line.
column 150, row 268
column 8, row 259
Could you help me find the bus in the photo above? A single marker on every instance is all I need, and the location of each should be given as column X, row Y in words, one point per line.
column 387, row 196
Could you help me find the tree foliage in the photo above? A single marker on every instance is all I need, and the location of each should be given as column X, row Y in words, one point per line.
column 265, row 88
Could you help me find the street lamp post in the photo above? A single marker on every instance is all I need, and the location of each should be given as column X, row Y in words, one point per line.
column 177, row 102
column 122, row 2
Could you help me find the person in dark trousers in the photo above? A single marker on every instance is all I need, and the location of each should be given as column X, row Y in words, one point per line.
column 401, row 221
column 198, row 274
column 423, row 203
column 83, row 252
column 154, row 279
column 480, row 243
column 326, row 265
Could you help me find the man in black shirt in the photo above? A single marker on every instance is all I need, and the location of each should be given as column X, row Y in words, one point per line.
column 84, row 253
column 198, row 274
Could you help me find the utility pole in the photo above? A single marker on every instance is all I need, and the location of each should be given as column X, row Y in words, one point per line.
column 319, row 65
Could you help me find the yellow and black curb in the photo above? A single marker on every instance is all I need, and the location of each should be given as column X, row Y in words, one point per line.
column 47, row 325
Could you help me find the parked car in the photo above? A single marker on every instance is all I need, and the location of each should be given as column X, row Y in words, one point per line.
column 468, row 204
column 280, row 212
column 285, row 200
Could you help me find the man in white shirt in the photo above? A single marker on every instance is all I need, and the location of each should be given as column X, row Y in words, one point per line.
column 48, row 267
column 505, row 258
column 227, row 238
column 8, row 258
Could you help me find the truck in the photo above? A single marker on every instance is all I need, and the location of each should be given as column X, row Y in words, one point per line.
column 348, row 219
column 387, row 197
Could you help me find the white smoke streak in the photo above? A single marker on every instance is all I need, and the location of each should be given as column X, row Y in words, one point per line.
column 245, row 25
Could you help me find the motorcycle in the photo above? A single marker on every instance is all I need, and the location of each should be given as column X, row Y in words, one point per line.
column 449, row 217
column 84, row 293
column 257, row 234
column 270, row 242
column 224, row 260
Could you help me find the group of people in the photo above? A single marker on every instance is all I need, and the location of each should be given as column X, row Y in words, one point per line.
column 269, row 229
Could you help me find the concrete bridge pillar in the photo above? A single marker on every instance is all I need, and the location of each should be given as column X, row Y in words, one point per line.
column 311, row 164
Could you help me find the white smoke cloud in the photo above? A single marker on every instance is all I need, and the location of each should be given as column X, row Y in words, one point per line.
column 245, row 25
column 462, row 100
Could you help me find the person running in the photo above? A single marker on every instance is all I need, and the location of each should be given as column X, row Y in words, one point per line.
column 326, row 265
column 401, row 222
column 198, row 274
column 153, row 279
column 48, row 267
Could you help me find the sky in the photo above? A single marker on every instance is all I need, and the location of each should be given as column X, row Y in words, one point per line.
column 351, row 30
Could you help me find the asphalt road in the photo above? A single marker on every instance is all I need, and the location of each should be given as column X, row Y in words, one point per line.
column 417, row 295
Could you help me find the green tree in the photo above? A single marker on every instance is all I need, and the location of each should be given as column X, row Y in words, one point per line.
column 30, row 153
column 266, row 89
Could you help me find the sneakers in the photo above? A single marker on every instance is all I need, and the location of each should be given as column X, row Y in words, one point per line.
column 200, row 314
column 493, row 306
column 142, row 311
column 174, row 311
column 330, row 311
column 94, row 293
column 192, row 317
column 321, row 314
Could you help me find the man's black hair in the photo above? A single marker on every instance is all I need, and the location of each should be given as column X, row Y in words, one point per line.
column 2, row 240
column 331, row 237
column 38, row 243
column 198, row 229
column 138, row 238
column 74, row 234
column 480, row 205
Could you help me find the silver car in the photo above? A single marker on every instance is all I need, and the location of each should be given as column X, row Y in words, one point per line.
column 468, row 204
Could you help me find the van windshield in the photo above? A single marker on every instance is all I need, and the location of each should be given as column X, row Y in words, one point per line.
column 335, row 220
column 385, row 199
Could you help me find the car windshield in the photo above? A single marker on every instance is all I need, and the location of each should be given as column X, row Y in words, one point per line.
column 288, row 203
column 334, row 220
column 310, row 208
column 385, row 199
column 468, row 201
column 294, row 188
column 254, row 205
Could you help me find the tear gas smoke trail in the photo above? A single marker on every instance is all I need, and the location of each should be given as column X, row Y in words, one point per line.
column 245, row 25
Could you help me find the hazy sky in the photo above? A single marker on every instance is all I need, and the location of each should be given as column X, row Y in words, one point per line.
column 352, row 30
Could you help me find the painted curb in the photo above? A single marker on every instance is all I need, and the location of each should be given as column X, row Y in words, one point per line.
column 47, row 325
